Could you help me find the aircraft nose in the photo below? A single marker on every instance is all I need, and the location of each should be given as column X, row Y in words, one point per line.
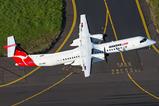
column 151, row 42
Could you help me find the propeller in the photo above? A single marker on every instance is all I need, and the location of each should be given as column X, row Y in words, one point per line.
column 106, row 55
column 104, row 37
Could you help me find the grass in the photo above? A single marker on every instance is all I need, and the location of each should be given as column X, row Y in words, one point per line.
column 34, row 23
column 154, row 10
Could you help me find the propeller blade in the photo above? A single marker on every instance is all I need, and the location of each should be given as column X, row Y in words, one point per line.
column 104, row 37
column 105, row 56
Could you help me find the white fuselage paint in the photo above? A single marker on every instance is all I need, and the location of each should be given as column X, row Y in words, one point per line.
column 85, row 53
column 69, row 56
column 65, row 57
column 124, row 45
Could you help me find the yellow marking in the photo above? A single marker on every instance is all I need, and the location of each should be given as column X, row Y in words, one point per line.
column 129, row 64
column 117, row 70
column 122, row 64
column 113, row 71
column 106, row 22
column 144, row 24
column 121, row 70
column 141, row 88
column 43, row 91
column 146, row 29
column 135, row 70
column 131, row 69
column 122, row 57
column 57, row 83
column 34, row 70
column 117, row 73
column 125, row 64
column 19, row 79
column 110, row 18
column 72, row 27
column 126, row 69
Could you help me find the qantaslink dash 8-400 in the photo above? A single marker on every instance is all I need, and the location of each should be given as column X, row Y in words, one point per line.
column 88, row 49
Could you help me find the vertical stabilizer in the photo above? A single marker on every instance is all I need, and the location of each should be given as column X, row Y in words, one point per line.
column 10, row 46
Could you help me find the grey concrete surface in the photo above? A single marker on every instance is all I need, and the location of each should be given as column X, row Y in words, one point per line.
column 109, row 84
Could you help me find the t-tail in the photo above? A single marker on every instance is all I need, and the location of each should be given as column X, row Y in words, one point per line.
column 20, row 57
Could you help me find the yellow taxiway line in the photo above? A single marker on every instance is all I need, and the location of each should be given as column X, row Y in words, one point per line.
column 19, row 79
column 60, row 81
column 72, row 27
column 106, row 22
column 141, row 88
column 44, row 90
column 114, row 31
column 55, row 84
column 122, row 57
column 144, row 24
column 37, row 68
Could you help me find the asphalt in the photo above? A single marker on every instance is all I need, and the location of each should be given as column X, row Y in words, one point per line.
column 109, row 84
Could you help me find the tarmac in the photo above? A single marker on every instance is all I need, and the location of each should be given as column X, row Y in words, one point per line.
column 109, row 83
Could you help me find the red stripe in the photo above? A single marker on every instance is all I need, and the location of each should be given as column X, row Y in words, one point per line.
column 7, row 46
column 125, row 43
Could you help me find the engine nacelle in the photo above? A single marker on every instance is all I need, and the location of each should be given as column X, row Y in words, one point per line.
column 76, row 42
column 98, row 57
column 98, row 36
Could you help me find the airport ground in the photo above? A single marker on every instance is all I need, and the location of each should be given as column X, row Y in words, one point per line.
column 110, row 84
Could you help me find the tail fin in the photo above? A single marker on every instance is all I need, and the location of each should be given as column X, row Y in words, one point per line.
column 20, row 57
column 11, row 45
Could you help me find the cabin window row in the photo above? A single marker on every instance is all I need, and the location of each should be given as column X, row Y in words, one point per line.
column 118, row 48
column 114, row 45
column 71, row 58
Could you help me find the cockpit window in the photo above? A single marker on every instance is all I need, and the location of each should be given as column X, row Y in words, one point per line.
column 143, row 40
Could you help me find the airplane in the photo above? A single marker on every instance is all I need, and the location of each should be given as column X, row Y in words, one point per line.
column 87, row 50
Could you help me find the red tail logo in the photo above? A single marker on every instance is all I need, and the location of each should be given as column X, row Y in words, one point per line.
column 22, row 59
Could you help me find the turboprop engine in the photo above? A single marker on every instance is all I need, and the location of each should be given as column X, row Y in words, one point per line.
column 98, row 38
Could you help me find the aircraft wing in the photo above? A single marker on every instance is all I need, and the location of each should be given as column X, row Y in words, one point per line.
column 83, row 27
column 87, row 65
column 85, row 46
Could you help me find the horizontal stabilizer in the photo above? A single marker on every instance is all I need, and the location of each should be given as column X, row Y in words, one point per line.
column 11, row 45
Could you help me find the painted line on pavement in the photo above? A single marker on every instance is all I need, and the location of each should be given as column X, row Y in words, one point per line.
column 72, row 27
column 106, row 22
column 114, row 31
column 141, row 88
column 122, row 57
column 43, row 91
column 37, row 68
column 19, row 79
column 144, row 24
column 58, row 82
